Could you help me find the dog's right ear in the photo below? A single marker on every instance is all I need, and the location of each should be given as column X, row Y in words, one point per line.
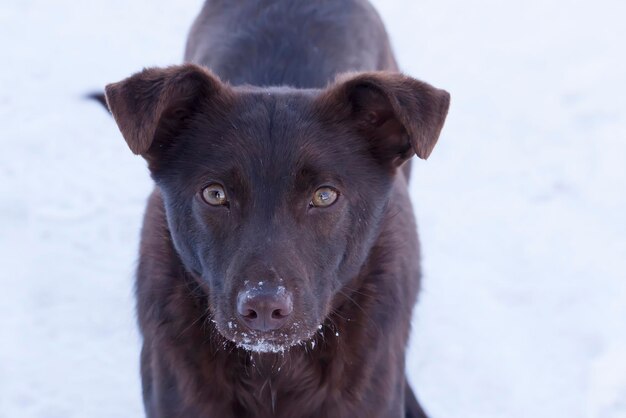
column 152, row 106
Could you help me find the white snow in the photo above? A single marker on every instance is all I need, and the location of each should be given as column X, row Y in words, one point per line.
column 263, row 346
column 521, row 206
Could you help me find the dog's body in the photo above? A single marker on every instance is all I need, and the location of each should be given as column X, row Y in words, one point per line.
column 289, row 42
column 350, row 266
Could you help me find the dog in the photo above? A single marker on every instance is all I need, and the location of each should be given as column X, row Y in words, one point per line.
column 279, row 259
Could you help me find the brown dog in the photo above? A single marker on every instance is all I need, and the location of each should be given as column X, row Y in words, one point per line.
column 279, row 261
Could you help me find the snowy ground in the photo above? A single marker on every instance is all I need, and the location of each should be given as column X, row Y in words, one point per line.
column 521, row 206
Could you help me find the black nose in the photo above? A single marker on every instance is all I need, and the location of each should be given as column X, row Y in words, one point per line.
column 266, row 309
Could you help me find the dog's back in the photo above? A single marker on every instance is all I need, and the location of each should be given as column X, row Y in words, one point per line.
column 297, row 43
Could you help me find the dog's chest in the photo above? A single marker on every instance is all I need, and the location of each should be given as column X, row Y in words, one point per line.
column 279, row 386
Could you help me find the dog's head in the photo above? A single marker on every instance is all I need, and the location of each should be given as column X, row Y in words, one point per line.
column 274, row 196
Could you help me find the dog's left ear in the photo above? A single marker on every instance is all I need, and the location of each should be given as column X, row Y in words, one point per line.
column 398, row 115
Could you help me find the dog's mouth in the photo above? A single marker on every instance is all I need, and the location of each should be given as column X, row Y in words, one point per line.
column 278, row 341
column 263, row 345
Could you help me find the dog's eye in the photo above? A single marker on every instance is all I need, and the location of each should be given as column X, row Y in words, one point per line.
column 324, row 196
column 214, row 195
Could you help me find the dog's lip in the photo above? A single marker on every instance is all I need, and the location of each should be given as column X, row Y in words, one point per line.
column 264, row 346
column 262, row 343
column 277, row 341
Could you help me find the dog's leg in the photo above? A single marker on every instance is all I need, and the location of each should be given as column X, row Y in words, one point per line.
column 146, row 381
column 413, row 408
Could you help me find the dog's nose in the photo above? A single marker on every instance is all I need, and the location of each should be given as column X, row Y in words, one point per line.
column 266, row 309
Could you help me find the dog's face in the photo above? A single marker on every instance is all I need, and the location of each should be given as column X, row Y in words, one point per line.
column 274, row 196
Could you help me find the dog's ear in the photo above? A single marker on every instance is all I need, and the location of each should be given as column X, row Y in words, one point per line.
column 398, row 115
column 152, row 106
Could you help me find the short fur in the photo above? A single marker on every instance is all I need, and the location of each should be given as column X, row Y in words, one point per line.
column 352, row 268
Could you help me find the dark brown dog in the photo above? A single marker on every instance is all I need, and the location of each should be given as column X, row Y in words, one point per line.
column 279, row 261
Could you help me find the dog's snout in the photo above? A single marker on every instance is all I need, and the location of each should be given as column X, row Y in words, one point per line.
column 265, row 310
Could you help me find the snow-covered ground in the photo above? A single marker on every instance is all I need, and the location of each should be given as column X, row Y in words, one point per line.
column 521, row 207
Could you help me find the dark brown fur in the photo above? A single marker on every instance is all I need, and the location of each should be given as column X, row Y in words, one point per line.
column 353, row 267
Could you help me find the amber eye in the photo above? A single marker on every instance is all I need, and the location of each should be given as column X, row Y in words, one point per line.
column 324, row 197
column 214, row 195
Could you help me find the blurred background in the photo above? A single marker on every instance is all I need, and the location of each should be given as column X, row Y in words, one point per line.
column 521, row 207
